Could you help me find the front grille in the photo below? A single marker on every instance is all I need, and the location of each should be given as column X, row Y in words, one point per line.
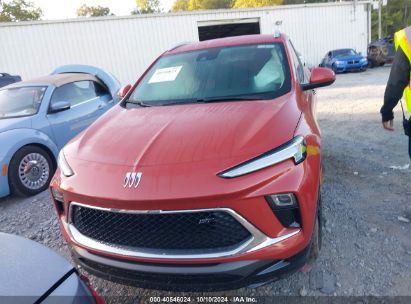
column 191, row 232
column 353, row 62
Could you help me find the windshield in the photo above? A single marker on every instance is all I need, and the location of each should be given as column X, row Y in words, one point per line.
column 244, row 72
column 342, row 53
column 19, row 102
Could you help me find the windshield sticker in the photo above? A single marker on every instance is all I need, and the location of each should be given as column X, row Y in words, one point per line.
column 166, row 74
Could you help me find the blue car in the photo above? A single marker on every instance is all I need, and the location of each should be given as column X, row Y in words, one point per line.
column 38, row 117
column 344, row 60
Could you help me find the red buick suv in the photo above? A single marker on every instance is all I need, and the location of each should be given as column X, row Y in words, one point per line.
column 205, row 176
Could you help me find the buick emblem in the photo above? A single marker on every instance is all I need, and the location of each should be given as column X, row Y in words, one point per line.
column 132, row 179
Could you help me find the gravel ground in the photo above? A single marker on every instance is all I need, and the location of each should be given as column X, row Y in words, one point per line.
column 366, row 244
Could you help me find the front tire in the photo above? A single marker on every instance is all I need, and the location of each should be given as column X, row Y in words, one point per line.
column 31, row 170
column 316, row 240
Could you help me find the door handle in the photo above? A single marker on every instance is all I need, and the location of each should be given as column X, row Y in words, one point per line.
column 100, row 107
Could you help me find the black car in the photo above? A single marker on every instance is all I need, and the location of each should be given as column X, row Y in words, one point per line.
column 381, row 51
column 6, row 79
column 33, row 273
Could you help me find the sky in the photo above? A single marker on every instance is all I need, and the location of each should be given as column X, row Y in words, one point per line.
column 62, row 9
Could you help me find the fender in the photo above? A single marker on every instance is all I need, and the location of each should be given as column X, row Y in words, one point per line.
column 11, row 141
column 14, row 139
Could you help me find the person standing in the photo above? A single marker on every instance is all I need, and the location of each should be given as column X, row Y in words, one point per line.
column 399, row 82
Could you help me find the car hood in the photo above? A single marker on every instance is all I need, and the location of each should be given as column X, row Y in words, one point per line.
column 187, row 133
column 28, row 269
column 7, row 124
column 348, row 58
column 176, row 146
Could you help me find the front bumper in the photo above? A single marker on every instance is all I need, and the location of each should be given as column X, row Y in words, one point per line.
column 256, row 264
column 256, row 241
column 4, row 183
column 196, row 277
column 4, row 186
column 351, row 67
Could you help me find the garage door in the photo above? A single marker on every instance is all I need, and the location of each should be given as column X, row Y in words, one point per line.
column 225, row 28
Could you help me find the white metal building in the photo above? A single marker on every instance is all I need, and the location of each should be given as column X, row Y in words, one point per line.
column 127, row 45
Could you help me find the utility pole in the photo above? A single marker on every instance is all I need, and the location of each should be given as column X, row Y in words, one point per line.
column 379, row 19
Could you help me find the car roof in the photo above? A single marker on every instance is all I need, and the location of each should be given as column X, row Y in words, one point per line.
column 56, row 80
column 226, row 42
column 344, row 49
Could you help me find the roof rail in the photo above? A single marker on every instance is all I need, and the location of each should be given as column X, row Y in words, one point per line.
column 178, row 45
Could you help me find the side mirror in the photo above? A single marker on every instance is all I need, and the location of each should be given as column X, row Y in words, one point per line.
column 124, row 90
column 60, row 106
column 360, row 53
column 320, row 77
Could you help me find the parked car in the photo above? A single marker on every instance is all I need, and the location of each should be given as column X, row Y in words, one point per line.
column 344, row 60
column 33, row 273
column 38, row 117
column 206, row 176
column 6, row 79
column 381, row 51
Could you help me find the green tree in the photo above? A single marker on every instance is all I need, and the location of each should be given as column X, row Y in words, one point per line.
column 286, row 2
column 192, row 5
column 209, row 4
column 395, row 16
column 189, row 5
column 256, row 3
column 179, row 5
column 147, row 7
column 19, row 10
column 92, row 11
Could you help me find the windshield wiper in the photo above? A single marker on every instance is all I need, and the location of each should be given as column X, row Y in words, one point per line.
column 230, row 98
column 198, row 100
column 213, row 99
column 137, row 102
column 178, row 102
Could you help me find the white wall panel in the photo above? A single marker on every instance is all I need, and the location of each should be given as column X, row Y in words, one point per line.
column 127, row 45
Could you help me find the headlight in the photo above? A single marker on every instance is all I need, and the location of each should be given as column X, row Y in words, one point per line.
column 339, row 62
column 57, row 194
column 363, row 60
column 294, row 149
column 63, row 165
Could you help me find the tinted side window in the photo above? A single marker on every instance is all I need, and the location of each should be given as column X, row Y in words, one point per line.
column 298, row 66
column 100, row 90
column 75, row 92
